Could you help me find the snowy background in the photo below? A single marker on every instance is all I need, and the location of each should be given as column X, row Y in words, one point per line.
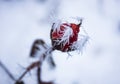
column 23, row 21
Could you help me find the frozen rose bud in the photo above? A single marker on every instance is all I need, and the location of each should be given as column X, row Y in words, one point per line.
column 63, row 35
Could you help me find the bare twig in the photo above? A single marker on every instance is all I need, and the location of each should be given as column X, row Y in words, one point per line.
column 19, row 82
column 39, row 77
column 9, row 74
column 38, row 65
column 33, row 65
column 7, row 71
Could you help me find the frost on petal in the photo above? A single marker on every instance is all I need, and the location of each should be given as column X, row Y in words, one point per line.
column 77, row 19
column 78, row 45
column 63, row 31
column 56, row 25
column 64, row 35
column 68, row 32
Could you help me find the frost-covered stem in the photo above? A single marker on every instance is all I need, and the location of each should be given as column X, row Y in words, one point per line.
column 7, row 71
column 33, row 65
column 22, row 76
column 9, row 74
column 39, row 67
column 36, row 64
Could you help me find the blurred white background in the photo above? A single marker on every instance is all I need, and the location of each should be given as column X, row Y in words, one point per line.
column 23, row 21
